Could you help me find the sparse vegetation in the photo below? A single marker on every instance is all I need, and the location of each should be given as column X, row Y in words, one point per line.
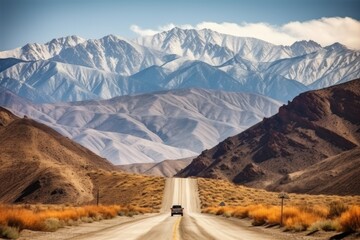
column 301, row 211
column 350, row 220
column 126, row 188
column 14, row 218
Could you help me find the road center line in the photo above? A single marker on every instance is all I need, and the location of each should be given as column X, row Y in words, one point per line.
column 176, row 229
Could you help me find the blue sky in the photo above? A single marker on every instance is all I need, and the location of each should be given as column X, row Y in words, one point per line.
column 28, row 21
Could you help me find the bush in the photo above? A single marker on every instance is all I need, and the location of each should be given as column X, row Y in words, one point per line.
column 350, row 220
column 326, row 225
column 9, row 232
column 336, row 208
column 52, row 224
column 50, row 218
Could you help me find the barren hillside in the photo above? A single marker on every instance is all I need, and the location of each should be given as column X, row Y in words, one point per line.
column 166, row 168
column 40, row 165
column 316, row 125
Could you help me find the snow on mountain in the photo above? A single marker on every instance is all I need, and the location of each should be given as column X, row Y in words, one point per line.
column 36, row 51
column 215, row 48
column 150, row 127
column 212, row 47
column 74, row 69
column 112, row 54
column 304, row 47
column 323, row 68
column 57, row 81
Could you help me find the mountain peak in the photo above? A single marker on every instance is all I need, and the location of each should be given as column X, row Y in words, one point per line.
column 112, row 37
column 336, row 46
column 307, row 43
column 68, row 40
column 305, row 47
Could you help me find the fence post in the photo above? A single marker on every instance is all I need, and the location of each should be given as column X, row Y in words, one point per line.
column 282, row 195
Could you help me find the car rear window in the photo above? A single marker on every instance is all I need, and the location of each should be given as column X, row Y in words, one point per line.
column 176, row 206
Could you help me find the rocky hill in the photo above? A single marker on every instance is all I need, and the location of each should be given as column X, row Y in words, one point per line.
column 316, row 125
column 37, row 164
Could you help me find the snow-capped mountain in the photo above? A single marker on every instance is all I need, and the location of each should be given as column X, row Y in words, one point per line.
column 112, row 54
column 236, row 81
column 150, row 127
column 74, row 69
column 215, row 48
column 36, row 51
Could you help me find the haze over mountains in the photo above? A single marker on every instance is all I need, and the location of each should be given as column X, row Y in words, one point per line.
column 311, row 145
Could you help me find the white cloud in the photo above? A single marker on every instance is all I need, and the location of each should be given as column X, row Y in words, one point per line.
column 325, row 31
column 142, row 32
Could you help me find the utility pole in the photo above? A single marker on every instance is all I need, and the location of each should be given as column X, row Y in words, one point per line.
column 97, row 197
column 282, row 195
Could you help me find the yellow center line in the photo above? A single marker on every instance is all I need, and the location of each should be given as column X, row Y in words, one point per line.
column 176, row 229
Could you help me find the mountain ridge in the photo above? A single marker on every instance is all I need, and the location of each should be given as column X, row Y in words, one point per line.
column 110, row 66
column 39, row 164
column 314, row 126
column 149, row 127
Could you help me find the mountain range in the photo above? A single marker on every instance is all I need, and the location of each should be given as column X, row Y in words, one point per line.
column 310, row 145
column 149, row 127
column 177, row 94
column 74, row 69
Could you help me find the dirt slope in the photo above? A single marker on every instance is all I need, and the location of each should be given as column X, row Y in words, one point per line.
column 339, row 174
column 167, row 168
column 37, row 164
column 316, row 125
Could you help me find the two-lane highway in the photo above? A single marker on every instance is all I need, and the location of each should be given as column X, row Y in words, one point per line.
column 193, row 225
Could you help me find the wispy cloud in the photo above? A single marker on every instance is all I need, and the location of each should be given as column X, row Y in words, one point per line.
column 325, row 31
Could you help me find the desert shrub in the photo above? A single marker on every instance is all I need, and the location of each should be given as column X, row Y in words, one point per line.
column 296, row 220
column 51, row 218
column 9, row 232
column 318, row 210
column 52, row 224
column 350, row 220
column 262, row 214
column 336, row 208
column 87, row 220
column 326, row 225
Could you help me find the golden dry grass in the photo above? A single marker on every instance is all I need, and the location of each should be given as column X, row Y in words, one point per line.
column 350, row 220
column 127, row 188
column 301, row 211
column 52, row 217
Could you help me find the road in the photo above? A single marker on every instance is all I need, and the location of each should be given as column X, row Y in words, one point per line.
column 193, row 225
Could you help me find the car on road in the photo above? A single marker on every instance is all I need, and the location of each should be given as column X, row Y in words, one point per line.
column 177, row 209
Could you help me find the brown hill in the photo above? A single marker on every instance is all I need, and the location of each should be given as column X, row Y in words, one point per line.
column 37, row 164
column 314, row 126
column 338, row 174
column 166, row 168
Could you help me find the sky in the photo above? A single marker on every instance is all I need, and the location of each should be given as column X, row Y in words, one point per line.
column 276, row 21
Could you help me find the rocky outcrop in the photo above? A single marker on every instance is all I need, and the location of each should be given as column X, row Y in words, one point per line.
column 314, row 126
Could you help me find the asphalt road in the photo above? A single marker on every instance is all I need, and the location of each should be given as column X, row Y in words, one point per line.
column 193, row 225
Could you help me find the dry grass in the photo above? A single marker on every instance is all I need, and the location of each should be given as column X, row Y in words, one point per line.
column 52, row 217
column 301, row 211
column 350, row 220
column 126, row 188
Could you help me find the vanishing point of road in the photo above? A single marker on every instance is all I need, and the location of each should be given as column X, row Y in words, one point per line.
column 193, row 225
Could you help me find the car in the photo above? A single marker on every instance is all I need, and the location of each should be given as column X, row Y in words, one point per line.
column 177, row 209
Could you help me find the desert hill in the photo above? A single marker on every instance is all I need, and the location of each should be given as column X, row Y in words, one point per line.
column 166, row 168
column 316, row 125
column 40, row 165
column 339, row 174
